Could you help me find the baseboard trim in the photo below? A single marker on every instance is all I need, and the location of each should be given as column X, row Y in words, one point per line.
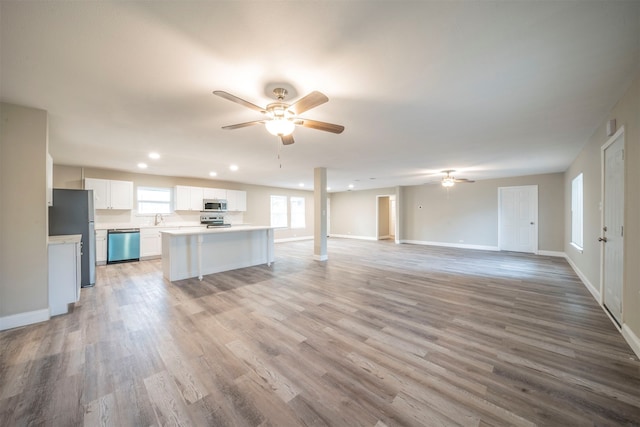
column 24, row 319
column 351, row 236
column 293, row 239
column 592, row 289
column 553, row 253
column 320, row 257
column 451, row 245
column 632, row 339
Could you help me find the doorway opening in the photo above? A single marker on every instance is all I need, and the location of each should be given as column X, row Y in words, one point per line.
column 386, row 217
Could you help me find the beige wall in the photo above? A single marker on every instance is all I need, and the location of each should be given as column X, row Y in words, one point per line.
column 23, row 211
column 258, row 197
column 353, row 213
column 627, row 114
column 467, row 214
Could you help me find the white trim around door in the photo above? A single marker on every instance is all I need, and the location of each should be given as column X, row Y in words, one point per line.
column 612, row 223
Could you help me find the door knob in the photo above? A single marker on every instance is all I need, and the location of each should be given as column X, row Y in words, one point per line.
column 602, row 239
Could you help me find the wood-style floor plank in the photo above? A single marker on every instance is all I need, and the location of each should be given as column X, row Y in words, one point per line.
column 379, row 335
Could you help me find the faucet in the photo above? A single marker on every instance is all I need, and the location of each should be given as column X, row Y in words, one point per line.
column 158, row 219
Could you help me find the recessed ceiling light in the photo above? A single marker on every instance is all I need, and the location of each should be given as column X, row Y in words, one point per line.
column 350, row 185
column 301, row 184
column 142, row 165
column 328, row 188
column 212, row 173
column 154, row 155
column 233, row 167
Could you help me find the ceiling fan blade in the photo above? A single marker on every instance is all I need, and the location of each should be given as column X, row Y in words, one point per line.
column 243, row 125
column 314, row 124
column 240, row 101
column 287, row 139
column 308, row 102
column 463, row 180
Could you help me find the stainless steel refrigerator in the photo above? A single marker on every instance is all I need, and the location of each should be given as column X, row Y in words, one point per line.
column 73, row 213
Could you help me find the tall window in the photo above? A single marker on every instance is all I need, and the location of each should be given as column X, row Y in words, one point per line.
column 154, row 200
column 576, row 212
column 297, row 212
column 278, row 211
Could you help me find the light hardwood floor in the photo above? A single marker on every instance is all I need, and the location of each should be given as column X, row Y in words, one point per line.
column 380, row 335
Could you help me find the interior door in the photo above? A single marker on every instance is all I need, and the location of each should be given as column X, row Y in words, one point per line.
column 612, row 236
column 518, row 219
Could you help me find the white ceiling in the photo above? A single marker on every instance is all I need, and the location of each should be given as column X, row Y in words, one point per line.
column 491, row 89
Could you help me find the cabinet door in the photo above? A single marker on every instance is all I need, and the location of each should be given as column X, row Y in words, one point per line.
column 121, row 194
column 100, row 189
column 236, row 200
column 78, row 282
column 101, row 246
column 214, row 193
column 183, row 198
column 150, row 242
column 63, row 276
column 241, row 201
column 196, row 198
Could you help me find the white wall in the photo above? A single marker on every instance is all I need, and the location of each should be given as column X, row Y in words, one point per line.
column 23, row 216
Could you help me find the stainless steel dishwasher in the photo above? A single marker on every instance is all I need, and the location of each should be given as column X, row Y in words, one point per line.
column 123, row 245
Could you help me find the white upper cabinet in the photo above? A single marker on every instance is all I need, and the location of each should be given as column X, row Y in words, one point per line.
column 121, row 194
column 110, row 194
column 215, row 193
column 189, row 198
column 236, row 200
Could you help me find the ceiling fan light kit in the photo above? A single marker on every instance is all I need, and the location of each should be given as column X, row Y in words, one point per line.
column 449, row 180
column 282, row 118
column 280, row 127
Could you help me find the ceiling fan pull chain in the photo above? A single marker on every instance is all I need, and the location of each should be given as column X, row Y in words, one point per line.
column 278, row 153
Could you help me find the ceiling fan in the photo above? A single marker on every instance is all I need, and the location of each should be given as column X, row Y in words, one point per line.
column 449, row 180
column 282, row 118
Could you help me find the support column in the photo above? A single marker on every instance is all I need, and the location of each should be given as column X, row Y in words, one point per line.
column 320, row 214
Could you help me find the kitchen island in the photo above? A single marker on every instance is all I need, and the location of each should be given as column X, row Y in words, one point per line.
column 194, row 252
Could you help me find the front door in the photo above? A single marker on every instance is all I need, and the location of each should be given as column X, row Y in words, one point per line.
column 612, row 236
column 518, row 219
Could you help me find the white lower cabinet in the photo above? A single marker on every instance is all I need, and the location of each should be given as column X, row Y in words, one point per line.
column 101, row 247
column 64, row 272
column 151, row 242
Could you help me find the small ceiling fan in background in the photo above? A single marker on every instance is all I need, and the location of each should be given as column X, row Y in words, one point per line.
column 449, row 180
column 282, row 118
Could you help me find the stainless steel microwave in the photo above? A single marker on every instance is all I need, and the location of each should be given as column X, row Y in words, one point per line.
column 214, row 205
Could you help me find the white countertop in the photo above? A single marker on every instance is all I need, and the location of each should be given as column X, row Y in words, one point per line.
column 185, row 224
column 184, row 231
column 65, row 239
column 120, row 225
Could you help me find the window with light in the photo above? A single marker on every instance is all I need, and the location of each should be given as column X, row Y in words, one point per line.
column 297, row 212
column 279, row 211
column 154, row 200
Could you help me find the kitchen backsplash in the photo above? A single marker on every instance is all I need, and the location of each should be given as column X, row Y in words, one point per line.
column 175, row 218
